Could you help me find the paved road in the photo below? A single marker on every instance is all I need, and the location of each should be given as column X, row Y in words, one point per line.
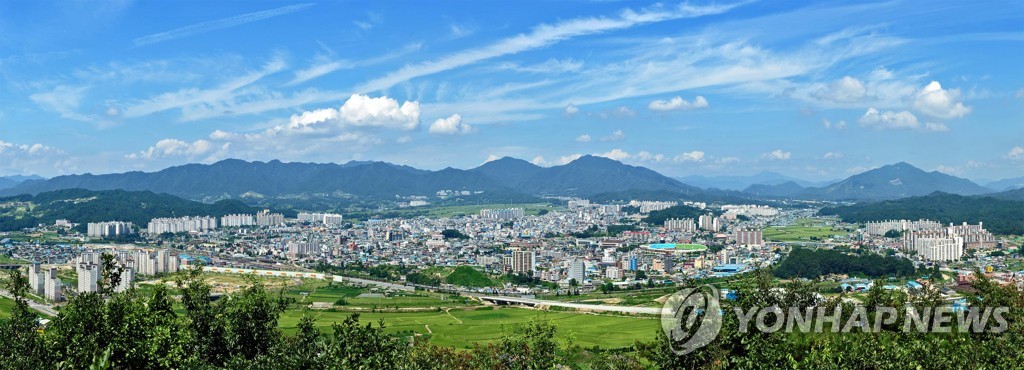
column 588, row 307
column 46, row 309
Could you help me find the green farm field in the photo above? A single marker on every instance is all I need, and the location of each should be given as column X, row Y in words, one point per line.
column 803, row 230
column 459, row 328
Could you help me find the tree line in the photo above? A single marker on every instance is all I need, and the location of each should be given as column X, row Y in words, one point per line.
column 812, row 263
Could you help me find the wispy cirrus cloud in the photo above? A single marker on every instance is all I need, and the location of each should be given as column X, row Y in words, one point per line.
column 208, row 26
column 324, row 65
column 542, row 36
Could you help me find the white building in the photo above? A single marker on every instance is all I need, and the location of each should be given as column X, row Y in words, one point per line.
column 265, row 218
column 502, row 214
column 127, row 278
column 53, row 286
column 614, row 273
column 237, row 220
column 330, row 219
column 108, row 229
column 298, row 249
column 681, row 225
column 651, row 206
column 936, row 249
column 708, row 222
column 88, row 277
column 881, row 227
column 36, row 279
column 181, row 224
column 577, row 270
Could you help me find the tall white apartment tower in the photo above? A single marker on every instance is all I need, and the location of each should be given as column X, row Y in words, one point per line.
column 36, row 279
column 53, row 285
column 88, row 277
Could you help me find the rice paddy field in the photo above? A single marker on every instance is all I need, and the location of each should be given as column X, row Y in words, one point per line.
column 802, row 231
column 461, row 328
column 451, row 321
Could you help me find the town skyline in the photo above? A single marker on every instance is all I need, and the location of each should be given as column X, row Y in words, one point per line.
column 698, row 88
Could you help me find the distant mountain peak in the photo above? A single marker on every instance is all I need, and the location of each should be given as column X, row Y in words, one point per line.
column 893, row 181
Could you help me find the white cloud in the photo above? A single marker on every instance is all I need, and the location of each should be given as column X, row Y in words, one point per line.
column 935, row 127
column 934, row 101
column 326, row 64
column 458, row 31
column 362, row 110
column 542, row 36
column 373, row 19
column 844, row 90
column 727, row 160
column 951, row 170
column 585, row 138
column 178, row 148
column 548, row 66
column 34, row 159
column 214, row 25
column 571, row 109
column 615, row 136
column 777, row 155
column 678, row 103
column 64, row 100
column 355, row 123
column 830, row 125
column 888, row 119
column 452, row 125
column 881, row 74
column 222, row 135
column 832, row 155
column 616, row 154
column 319, row 69
column 569, row 158
column 619, row 112
column 539, row 160
column 202, row 103
column 692, row 156
column 1016, row 153
column 646, row 156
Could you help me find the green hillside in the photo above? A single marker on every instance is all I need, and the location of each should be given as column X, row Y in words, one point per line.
column 83, row 206
column 468, row 277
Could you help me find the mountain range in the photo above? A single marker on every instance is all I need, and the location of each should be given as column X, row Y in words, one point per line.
column 893, row 181
column 12, row 181
column 739, row 183
column 1007, row 184
column 505, row 178
column 232, row 178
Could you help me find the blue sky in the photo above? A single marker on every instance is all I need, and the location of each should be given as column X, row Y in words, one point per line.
column 817, row 90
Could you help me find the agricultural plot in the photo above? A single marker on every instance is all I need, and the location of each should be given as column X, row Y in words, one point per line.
column 462, row 328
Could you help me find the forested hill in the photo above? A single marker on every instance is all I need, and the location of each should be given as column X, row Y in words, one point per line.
column 1000, row 216
column 683, row 211
column 83, row 206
